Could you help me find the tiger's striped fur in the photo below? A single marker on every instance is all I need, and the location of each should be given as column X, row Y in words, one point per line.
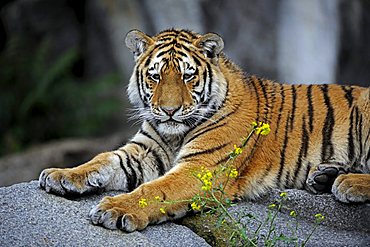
column 195, row 104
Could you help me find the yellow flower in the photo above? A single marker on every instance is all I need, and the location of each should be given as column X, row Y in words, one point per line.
column 143, row 203
column 319, row 217
column 293, row 213
column 162, row 210
column 207, row 185
column 237, row 150
column 283, row 194
column 254, row 124
column 207, row 176
column 157, row 198
column 264, row 129
column 271, row 206
column 233, row 173
column 195, row 206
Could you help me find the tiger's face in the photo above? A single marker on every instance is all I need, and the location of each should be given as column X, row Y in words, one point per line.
column 176, row 83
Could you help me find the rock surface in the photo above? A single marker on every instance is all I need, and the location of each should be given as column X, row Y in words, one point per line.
column 31, row 217
column 344, row 225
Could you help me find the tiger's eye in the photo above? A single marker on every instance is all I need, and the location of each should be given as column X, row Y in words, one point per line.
column 188, row 76
column 156, row 77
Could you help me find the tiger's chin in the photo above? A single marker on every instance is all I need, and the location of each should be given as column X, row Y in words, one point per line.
column 173, row 128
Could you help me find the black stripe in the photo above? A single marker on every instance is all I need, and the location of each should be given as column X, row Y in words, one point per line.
column 351, row 145
column 308, row 168
column 368, row 156
column 197, row 62
column 190, row 33
column 148, row 59
column 143, row 132
column 210, row 81
column 294, row 102
column 360, row 134
column 207, row 151
column 264, row 175
column 141, row 85
column 282, row 152
column 194, row 54
column 137, row 73
column 273, row 101
column 257, row 98
column 158, row 161
column 165, row 39
column 222, row 161
column 163, row 45
column 163, row 52
column 131, row 180
column 302, row 151
column 204, row 85
column 182, row 54
column 141, row 145
column 204, row 131
column 140, row 180
column 139, row 167
column 169, row 32
column 365, row 144
column 156, row 131
column 266, row 108
column 348, row 94
column 205, row 128
column 185, row 40
column 367, row 137
column 327, row 150
column 214, row 110
column 286, row 183
column 310, row 108
column 282, row 93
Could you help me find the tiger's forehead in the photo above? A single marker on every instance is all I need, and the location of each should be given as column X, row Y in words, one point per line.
column 173, row 48
column 175, row 35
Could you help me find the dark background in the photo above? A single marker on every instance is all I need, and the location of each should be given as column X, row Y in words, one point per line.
column 64, row 67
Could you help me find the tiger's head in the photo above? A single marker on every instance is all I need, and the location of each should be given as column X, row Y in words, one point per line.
column 177, row 82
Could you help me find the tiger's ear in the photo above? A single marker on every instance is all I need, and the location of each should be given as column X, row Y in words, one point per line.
column 137, row 42
column 211, row 44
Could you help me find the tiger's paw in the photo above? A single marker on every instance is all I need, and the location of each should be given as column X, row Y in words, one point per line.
column 119, row 213
column 74, row 181
column 321, row 178
column 352, row 188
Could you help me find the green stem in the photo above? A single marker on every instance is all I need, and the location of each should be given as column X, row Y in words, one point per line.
column 237, row 224
column 272, row 222
column 309, row 236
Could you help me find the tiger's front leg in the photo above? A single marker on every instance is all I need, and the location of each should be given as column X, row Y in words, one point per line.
column 143, row 206
column 141, row 160
column 92, row 176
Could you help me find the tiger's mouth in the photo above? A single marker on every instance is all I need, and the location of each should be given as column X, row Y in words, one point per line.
column 172, row 120
column 172, row 127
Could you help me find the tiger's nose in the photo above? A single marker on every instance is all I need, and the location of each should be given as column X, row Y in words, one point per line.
column 170, row 111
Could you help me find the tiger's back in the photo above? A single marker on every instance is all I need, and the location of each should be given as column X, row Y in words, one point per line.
column 311, row 125
column 195, row 105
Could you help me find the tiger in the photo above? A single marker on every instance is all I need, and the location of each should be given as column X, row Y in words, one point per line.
column 194, row 104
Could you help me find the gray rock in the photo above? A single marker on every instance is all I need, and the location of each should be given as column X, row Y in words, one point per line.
column 31, row 217
column 344, row 225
